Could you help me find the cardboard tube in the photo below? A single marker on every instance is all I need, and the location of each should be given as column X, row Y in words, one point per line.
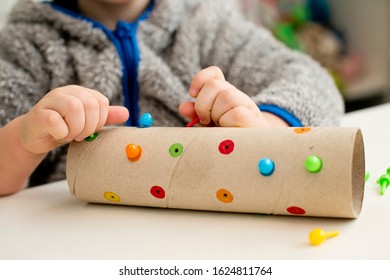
column 281, row 171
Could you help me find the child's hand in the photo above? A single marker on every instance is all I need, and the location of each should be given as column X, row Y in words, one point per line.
column 220, row 103
column 65, row 114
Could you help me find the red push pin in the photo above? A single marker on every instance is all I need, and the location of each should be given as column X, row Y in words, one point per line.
column 193, row 122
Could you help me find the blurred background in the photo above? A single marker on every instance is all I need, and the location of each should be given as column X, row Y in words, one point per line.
column 349, row 37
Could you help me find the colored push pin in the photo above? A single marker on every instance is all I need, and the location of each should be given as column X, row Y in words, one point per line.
column 92, row 137
column 318, row 235
column 133, row 152
column 266, row 167
column 145, row 121
column 313, row 164
column 383, row 182
column 367, row 176
column 193, row 122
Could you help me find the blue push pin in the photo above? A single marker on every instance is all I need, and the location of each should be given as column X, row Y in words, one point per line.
column 266, row 167
column 145, row 121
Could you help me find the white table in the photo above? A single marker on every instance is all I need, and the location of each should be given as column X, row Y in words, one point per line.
column 48, row 223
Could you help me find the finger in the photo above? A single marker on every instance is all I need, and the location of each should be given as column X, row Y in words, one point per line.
column 206, row 98
column 95, row 107
column 187, row 109
column 199, row 80
column 55, row 124
column 71, row 109
column 91, row 110
column 228, row 99
column 103, row 103
column 117, row 115
column 241, row 116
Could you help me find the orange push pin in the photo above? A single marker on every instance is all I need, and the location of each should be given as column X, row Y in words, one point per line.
column 318, row 235
column 133, row 152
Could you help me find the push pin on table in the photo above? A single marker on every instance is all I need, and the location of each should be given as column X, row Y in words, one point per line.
column 366, row 176
column 318, row 235
column 145, row 121
column 383, row 182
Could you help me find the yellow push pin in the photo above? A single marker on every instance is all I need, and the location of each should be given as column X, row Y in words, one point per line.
column 318, row 235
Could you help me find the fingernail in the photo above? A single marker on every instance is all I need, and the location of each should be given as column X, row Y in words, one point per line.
column 193, row 92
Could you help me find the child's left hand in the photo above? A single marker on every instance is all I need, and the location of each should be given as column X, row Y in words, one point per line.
column 219, row 103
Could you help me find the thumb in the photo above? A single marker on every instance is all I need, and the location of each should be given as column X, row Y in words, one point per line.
column 187, row 109
column 117, row 115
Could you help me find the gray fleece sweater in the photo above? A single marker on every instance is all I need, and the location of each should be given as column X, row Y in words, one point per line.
column 41, row 49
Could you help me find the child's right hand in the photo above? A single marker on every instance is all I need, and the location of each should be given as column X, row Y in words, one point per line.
column 65, row 114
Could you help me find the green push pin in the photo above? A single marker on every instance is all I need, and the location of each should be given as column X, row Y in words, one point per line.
column 367, row 176
column 92, row 137
column 383, row 182
column 313, row 164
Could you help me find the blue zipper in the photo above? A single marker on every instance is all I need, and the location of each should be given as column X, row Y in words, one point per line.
column 127, row 48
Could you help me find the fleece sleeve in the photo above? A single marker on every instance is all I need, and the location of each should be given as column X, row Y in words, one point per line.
column 23, row 79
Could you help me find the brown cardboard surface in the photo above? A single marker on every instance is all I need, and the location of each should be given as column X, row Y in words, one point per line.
column 204, row 178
